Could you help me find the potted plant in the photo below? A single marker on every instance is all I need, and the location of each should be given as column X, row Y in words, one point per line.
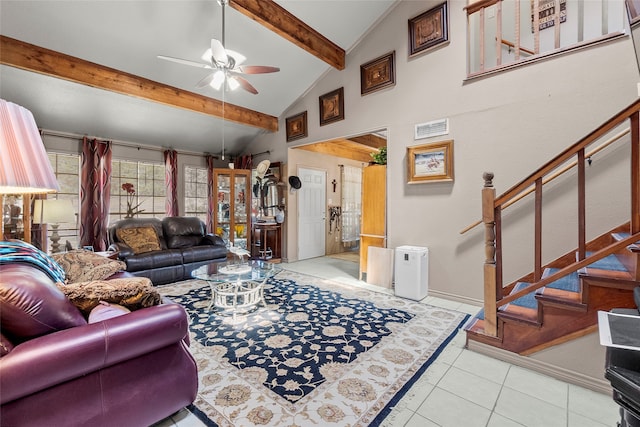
column 380, row 158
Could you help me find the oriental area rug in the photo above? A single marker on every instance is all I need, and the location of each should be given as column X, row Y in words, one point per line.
column 320, row 353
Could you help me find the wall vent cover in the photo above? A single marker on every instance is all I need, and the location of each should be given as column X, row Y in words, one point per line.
column 433, row 128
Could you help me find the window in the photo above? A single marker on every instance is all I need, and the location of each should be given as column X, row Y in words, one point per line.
column 66, row 167
column 351, row 205
column 196, row 192
column 148, row 184
column 504, row 33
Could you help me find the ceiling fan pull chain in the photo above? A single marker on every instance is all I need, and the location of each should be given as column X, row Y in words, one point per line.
column 223, row 3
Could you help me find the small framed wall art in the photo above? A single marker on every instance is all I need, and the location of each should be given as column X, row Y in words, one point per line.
column 429, row 29
column 297, row 126
column 430, row 162
column 378, row 74
column 332, row 106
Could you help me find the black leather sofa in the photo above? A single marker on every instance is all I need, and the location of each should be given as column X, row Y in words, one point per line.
column 184, row 246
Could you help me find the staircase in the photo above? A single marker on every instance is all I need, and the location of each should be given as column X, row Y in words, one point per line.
column 559, row 301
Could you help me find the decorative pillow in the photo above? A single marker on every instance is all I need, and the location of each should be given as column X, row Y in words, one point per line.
column 19, row 251
column 106, row 311
column 133, row 293
column 139, row 239
column 81, row 265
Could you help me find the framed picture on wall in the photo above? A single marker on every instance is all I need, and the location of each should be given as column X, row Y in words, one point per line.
column 429, row 29
column 378, row 74
column 430, row 162
column 296, row 126
column 332, row 106
column 633, row 10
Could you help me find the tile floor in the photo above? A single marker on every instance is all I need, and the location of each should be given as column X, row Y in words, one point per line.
column 464, row 388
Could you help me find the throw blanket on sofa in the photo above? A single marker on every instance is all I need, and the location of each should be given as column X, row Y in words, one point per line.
column 19, row 251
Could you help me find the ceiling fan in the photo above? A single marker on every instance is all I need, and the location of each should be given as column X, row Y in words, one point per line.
column 226, row 65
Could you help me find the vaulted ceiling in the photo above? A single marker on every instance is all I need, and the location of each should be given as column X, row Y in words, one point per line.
column 91, row 67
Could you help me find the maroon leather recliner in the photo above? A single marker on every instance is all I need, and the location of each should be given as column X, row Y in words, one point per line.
column 57, row 369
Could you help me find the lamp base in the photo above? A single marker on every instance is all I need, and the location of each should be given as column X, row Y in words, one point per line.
column 55, row 238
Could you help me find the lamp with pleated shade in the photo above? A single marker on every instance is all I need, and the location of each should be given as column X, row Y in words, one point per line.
column 24, row 165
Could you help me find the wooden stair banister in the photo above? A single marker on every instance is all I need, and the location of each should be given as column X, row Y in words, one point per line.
column 554, row 175
column 617, row 120
column 493, row 206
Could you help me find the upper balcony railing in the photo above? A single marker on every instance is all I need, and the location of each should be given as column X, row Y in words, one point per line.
column 504, row 33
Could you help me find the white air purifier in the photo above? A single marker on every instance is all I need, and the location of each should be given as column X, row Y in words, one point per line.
column 412, row 272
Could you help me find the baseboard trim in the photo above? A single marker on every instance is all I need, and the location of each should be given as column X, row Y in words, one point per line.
column 562, row 374
column 456, row 298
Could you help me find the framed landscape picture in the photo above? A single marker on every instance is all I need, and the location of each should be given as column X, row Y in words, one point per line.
column 428, row 29
column 378, row 74
column 430, row 162
column 297, row 126
column 332, row 106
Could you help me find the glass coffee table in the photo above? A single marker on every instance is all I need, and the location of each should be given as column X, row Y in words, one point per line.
column 236, row 287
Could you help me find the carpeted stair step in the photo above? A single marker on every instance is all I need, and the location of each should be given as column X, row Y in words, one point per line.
column 634, row 247
column 609, row 263
column 475, row 324
column 523, row 309
column 630, row 258
column 564, row 292
column 607, row 268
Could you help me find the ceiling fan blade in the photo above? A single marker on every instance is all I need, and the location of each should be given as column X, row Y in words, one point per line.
column 205, row 81
column 256, row 69
column 218, row 53
column 185, row 61
column 244, row 84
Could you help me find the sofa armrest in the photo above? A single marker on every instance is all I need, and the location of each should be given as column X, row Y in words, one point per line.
column 213, row 240
column 64, row 355
column 124, row 250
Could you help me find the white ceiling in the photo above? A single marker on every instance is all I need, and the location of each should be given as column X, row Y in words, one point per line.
column 128, row 34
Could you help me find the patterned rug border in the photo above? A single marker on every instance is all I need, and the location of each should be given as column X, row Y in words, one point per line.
column 403, row 391
column 353, row 291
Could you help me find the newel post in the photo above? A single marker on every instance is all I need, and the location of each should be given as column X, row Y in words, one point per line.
column 490, row 292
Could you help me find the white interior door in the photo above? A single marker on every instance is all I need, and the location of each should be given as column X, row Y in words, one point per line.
column 311, row 213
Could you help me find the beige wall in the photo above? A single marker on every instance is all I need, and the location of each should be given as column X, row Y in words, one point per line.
column 509, row 123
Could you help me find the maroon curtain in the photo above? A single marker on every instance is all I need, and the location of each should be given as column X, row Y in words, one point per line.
column 171, row 181
column 211, row 211
column 95, row 193
column 243, row 162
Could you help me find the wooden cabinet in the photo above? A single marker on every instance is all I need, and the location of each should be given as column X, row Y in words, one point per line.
column 373, row 226
column 16, row 207
column 232, row 219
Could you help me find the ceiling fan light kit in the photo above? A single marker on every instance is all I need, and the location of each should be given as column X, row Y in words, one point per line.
column 226, row 65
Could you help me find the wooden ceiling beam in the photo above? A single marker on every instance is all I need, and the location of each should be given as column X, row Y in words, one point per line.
column 341, row 148
column 274, row 17
column 370, row 140
column 25, row 56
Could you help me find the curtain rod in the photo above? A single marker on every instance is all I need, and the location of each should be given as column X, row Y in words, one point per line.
column 119, row 143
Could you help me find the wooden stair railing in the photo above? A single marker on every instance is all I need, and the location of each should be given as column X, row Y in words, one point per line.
column 554, row 175
column 492, row 207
